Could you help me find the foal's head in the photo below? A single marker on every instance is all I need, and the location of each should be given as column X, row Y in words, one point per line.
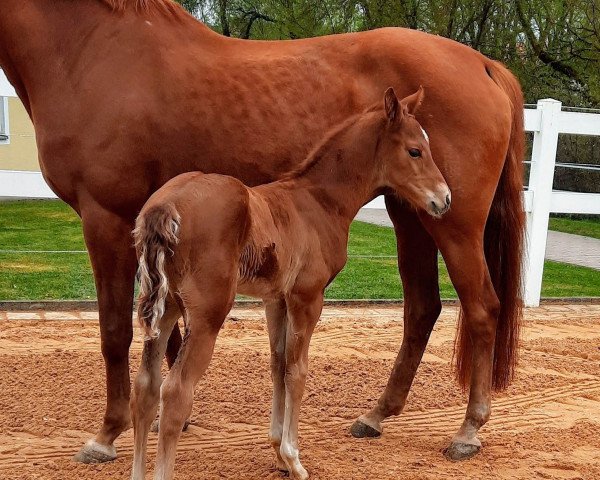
column 407, row 166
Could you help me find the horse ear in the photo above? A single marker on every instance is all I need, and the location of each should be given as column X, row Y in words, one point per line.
column 412, row 103
column 392, row 105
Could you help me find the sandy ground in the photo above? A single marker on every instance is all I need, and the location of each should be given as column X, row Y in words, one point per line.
column 547, row 425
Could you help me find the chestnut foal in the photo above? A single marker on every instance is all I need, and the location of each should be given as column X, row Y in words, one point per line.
column 202, row 238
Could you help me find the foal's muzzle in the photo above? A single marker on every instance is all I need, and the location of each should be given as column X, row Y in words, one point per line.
column 439, row 202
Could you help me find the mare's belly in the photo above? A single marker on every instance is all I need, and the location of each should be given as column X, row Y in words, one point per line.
column 260, row 288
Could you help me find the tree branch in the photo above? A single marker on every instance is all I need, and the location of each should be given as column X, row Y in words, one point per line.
column 252, row 16
column 223, row 18
column 555, row 63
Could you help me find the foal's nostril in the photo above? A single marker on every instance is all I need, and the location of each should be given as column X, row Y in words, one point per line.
column 434, row 207
column 448, row 200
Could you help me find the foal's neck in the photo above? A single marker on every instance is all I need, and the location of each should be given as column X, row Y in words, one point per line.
column 340, row 173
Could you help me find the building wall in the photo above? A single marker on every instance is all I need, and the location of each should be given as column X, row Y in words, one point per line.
column 20, row 153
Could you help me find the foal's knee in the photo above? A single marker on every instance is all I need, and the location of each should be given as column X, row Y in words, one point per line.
column 295, row 372
column 278, row 361
column 145, row 389
column 176, row 402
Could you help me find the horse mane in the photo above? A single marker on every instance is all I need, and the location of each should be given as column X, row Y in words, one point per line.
column 166, row 7
column 320, row 149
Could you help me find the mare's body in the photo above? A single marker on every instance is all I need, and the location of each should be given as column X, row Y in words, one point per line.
column 126, row 94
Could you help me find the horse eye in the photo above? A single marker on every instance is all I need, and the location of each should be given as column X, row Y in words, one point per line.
column 414, row 152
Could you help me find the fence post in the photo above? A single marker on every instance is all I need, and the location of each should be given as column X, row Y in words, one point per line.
column 541, row 177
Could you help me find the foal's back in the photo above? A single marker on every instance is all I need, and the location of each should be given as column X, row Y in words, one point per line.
column 257, row 238
column 213, row 220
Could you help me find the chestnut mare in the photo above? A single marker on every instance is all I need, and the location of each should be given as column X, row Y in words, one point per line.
column 127, row 94
column 200, row 238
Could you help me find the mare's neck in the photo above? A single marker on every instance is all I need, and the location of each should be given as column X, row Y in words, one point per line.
column 340, row 175
column 37, row 41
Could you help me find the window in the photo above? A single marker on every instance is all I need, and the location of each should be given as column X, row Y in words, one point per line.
column 4, row 135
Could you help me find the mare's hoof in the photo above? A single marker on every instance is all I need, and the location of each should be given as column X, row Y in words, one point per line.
column 94, row 452
column 154, row 426
column 360, row 429
column 457, row 451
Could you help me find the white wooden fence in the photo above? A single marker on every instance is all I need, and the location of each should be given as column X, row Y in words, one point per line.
column 546, row 121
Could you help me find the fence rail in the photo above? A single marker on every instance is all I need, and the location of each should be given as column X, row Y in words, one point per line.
column 547, row 120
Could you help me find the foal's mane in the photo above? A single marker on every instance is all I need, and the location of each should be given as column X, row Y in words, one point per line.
column 320, row 149
column 167, row 7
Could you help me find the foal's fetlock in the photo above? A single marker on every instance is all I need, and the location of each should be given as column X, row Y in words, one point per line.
column 154, row 428
column 281, row 465
column 291, row 458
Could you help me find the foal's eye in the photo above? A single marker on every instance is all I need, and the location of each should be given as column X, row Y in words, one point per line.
column 414, row 152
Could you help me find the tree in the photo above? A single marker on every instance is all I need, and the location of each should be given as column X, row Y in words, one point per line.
column 552, row 45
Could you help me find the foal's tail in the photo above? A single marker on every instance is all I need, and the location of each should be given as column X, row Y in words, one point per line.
column 155, row 236
column 503, row 244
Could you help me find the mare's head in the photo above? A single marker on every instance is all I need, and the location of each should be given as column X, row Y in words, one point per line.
column 407, row 166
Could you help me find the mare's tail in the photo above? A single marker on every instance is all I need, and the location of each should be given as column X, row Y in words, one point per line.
column 155, row 236
column 503, row 244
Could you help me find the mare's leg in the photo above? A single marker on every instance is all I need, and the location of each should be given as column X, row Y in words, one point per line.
column 207, row 304
column 146, row 388
column 464, row 255
column 276, row 321
column 173, row 345
column 417, row 261
column 110, row 246
column 303, row 313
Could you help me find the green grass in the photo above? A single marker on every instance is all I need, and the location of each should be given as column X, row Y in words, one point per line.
column 587, row 228
column 51, row 225
column 378, row 277
column 42, row 225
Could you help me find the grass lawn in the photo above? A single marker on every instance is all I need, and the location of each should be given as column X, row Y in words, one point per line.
column 52, row 226
column 587, row 228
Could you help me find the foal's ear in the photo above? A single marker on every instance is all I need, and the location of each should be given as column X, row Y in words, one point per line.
column 412, row 103
column 392, row 105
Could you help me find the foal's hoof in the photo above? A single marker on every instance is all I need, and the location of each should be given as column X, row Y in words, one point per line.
column 154, row 426
column 457, row 451
column 299, row 473
column 94, row 452
column 360, row 429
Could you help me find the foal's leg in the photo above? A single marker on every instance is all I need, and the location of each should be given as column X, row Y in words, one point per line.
column 276, row 321
column 146, row 388
column 464, row 256
column 303, row 313
column 205, row 314
column 109, row 243
column 417, row 261
column 173, row 346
